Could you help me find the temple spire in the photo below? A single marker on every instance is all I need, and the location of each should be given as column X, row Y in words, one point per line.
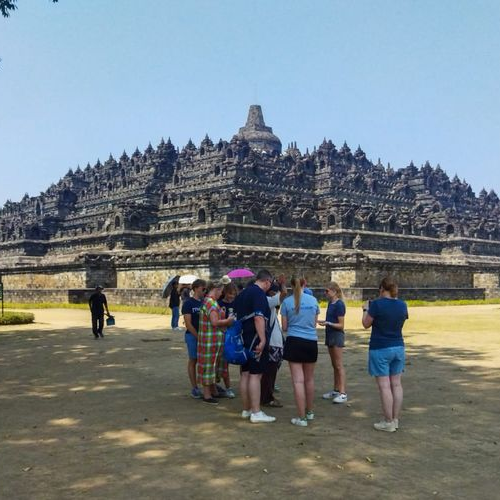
column 255, row 118
column 258, row 135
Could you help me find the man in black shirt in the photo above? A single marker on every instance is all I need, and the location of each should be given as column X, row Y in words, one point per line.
column 252, row 301
column 97, row 304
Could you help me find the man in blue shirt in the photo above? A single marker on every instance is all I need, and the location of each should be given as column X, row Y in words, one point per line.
column 252, row 301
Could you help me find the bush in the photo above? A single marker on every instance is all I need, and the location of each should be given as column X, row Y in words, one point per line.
column 16, row 318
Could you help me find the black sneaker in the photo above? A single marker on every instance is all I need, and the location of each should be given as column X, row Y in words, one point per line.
column 210, row 401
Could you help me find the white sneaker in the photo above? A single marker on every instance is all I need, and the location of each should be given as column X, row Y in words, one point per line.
column 261, row 417
column 310, row 415
column 331, row 394
column 301, row 422
column 341, row 398
column 230, row 394
column 246, row 414
column 383, row 425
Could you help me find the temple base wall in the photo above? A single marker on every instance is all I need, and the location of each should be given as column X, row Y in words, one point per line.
column 45, row 280
column 154, row 278
column 407, row 276
column 427, row 294
column 151, row 297
column 131, row 275
column 148, row 297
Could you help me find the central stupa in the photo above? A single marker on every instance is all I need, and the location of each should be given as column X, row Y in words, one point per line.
column 258, row 135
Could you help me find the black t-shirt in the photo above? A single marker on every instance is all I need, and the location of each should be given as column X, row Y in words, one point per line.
column 252, row 300
column 175, row 300
column 192, row 306
column 97, row 302
column 227, row 307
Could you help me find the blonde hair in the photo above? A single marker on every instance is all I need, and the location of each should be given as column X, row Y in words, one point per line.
column 220, row 283
column 333, row 285
column 389, row 284
column 297, row 284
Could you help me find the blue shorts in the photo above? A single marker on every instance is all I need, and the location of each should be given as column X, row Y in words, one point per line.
column 387, row 361
column 192, row 345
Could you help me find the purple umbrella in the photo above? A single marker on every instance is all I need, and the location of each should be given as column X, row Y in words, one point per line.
column 240, row 273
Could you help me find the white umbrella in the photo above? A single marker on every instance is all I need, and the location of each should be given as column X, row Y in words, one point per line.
column 187, row 279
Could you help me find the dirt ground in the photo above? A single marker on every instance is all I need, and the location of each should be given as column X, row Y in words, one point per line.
column 112, row 418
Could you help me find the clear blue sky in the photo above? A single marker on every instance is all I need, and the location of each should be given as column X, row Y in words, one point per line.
column 407, row 80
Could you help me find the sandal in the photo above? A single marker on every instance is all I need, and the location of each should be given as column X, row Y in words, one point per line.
column 275, row 403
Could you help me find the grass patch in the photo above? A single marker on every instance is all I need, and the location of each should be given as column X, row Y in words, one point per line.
column 16, row 318
column 112, row 308
column 427, row 303
column 165, row 310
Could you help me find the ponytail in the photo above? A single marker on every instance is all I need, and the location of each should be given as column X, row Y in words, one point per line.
column 297, row 284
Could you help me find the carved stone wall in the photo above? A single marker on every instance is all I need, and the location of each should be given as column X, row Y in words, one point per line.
column 204, row 209
column 42, row 280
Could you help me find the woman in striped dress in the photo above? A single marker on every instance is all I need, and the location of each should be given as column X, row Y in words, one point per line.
column 211, row 364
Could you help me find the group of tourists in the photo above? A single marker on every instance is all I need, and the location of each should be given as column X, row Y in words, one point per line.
column 213, row 306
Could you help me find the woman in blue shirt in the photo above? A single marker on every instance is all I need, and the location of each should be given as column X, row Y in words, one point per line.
column 334, row 339
column 299, row 315
column 386, row 360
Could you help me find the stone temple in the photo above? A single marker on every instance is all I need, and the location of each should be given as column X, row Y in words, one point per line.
column 330, row 213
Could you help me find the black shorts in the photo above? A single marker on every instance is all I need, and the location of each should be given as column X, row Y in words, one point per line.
column 335, row 338
column 298, row 350
column 257, row 366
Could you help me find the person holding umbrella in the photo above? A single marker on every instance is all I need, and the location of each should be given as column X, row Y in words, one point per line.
column 174, row 304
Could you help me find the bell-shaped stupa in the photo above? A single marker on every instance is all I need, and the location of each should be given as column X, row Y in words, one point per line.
column 258, row 135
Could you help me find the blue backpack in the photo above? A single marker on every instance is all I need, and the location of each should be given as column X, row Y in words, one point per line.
column 235, row 351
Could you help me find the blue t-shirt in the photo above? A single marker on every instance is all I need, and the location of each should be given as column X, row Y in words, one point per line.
column 192, row 306
column 303, row 324
column 252, row 300
column 388, row 316
column 334, row 311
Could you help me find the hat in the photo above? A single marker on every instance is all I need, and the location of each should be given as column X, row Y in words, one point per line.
column 99, row 287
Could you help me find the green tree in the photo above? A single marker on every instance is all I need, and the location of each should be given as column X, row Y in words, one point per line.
column 6, row 6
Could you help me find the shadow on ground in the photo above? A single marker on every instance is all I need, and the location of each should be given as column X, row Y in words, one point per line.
column 112, row 419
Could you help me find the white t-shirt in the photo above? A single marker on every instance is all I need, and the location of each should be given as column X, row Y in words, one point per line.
column 276, row 335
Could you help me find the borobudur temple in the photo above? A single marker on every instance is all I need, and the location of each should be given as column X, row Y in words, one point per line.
column 330, row 213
